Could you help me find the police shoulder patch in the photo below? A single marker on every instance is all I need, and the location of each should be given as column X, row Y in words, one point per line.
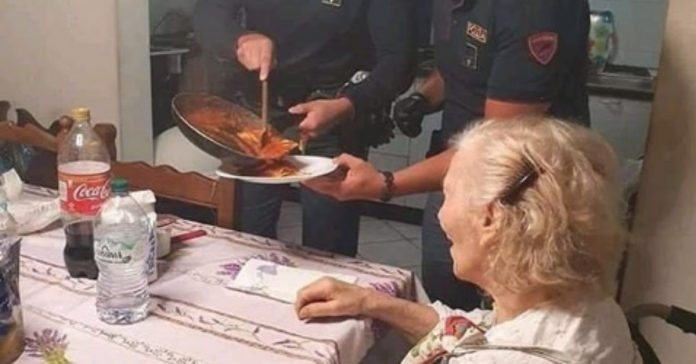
column 543, row 46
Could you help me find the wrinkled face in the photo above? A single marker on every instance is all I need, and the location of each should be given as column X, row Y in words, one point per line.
column 462, row 220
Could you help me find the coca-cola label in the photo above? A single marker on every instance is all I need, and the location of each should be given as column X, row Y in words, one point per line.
column 83, row 194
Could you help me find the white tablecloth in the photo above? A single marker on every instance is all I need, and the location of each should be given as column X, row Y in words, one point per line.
column 193, row 317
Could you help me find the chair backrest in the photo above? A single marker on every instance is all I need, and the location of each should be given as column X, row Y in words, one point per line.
column 28, row 131
column 165, row 181
column 27, row 134
column 676, row 316
column 192, row 188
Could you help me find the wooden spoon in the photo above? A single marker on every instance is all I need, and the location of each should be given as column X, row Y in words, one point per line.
column 264, row 112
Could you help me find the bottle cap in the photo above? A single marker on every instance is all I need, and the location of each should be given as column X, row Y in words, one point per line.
column 119, row 185
column 80, row 114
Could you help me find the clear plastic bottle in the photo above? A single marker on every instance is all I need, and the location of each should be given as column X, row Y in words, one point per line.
column 11, row 330
column 120, row 248
column 83, row 181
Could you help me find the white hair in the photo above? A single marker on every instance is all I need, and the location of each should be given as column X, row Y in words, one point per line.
column 564, row 229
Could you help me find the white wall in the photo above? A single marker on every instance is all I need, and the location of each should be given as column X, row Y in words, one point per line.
column 639, row 25
column 661, row 265
column 60, row 54
column 134, row 76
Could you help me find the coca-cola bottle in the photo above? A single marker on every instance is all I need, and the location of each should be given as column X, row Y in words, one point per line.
column 84, row 173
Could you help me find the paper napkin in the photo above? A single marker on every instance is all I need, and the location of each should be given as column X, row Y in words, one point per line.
column 277, row 281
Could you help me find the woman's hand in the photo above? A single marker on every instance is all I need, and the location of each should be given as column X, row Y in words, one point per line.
column 329, row 297
column 255, row 53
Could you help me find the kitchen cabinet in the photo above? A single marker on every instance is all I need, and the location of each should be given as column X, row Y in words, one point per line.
column 623, row 122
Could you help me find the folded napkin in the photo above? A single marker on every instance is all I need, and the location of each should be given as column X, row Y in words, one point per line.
column 12, row 184
column 32, row 211
column 277, row 281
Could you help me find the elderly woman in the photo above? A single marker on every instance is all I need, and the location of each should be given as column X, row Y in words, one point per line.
column 532, row 210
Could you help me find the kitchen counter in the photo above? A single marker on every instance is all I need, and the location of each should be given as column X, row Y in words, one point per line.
column 621, row 86
column 623, row 82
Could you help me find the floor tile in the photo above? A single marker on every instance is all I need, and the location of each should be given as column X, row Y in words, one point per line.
column 417, row 270
column 386, row 162
column 290, row 215
column 377, row 231
column 408, row 231
column 418, row 243
column 399, row 146
column 290, row 234
column 395, row 253
column 419, row 146
column 417, row 201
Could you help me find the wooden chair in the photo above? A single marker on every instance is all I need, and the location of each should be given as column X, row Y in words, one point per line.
column 166, row 182
column 28, row 135
column 191, row 188
column 4, row 108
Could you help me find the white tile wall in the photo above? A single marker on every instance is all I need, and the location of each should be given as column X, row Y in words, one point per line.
column 639, row 26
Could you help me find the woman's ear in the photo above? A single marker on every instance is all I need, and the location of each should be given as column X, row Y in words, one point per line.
column 490, row 224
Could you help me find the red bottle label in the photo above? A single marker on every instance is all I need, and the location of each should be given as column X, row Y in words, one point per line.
column 83, row 194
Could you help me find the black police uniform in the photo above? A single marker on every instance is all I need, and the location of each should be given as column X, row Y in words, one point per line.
column 319, row 46
column 522, row 51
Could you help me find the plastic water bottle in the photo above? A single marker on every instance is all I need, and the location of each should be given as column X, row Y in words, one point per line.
column 120, row 248
column 11, row 330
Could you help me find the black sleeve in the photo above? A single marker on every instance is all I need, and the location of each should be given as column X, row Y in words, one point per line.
column 216, row 26
column 391, row 30
column 521, row 71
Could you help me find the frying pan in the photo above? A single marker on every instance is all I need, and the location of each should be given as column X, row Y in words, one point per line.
column 185, row 103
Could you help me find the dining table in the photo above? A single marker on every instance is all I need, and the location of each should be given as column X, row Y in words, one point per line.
column 193, row 316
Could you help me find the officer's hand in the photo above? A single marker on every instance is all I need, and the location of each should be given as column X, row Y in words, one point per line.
column 409, row 113
column 355, row 179
column 255, row 53
column 322, row 115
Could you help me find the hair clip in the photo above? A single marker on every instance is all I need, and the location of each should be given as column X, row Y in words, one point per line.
column 527, row 176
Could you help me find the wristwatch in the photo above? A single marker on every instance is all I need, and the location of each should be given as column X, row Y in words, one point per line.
column 388, row 190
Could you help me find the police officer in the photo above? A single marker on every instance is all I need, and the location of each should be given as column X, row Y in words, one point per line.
column 311, row 53
column 495, row 59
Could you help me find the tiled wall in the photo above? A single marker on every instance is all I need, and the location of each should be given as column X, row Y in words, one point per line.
column 640, row 26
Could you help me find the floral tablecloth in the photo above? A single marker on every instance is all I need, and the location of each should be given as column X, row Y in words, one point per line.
column 194, row 318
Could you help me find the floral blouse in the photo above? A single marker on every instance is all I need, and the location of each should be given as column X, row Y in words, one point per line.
column 595, row 333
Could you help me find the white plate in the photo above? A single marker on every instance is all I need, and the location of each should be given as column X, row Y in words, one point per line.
column 309, row 167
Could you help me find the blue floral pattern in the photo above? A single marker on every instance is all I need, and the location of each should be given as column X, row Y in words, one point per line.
column 231, row 270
